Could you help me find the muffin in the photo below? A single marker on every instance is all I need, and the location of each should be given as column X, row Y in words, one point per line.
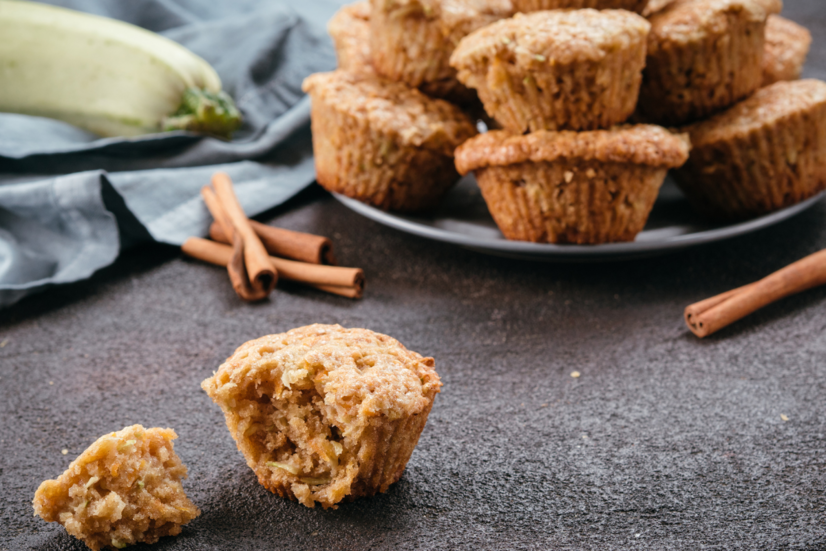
column 787, row 45
column 124, row 489
column 552, row 70
column 526, row 6
column 703, row 56
column 412, row 40
column 654, row 6
column 350, row 30
column 763, row 154
column 383, row 143
column 322, row 413
column 572, row 187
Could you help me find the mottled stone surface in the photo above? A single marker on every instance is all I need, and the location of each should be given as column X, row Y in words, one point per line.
column 664, row 441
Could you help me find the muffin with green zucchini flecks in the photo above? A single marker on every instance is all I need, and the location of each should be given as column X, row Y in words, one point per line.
column 124, row 489
column 763, row 154
column 554, row 70
column 572, row 187
column 382, row 142
column 323, row 413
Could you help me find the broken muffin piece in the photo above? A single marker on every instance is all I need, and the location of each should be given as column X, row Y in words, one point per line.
column 322, row 413
column 124, row 489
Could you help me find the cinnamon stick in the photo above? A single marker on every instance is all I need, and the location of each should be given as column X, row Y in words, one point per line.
column 710, row 315
column 347, row 282
column 236, row 267
column 304, row 247
column 262, row 275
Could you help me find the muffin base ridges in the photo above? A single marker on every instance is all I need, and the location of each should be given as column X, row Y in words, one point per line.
column 764, row 170
column 582, row 96
column 526, row 6
column 570, row 201
column 688, row 83
column 422, row 57
column 356, row 161
column 384, row 451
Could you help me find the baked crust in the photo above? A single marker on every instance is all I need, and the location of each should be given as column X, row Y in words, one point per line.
column 384, row 143
column 763, row 154
column 570, row 201
column 787, row 45
column 572, row 187
column 641, row 145
column 393, row 109
column 412, row 40
column 350, row 30
column 527, row 6
column 123, row 489
column 549, row 70
column 322, row 413
column 703, row 56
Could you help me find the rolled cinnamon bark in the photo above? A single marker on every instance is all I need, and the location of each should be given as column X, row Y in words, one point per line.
column 236, row 267
column 262, row 275
column 711, row 315
column 304, row 247
column 347, row 282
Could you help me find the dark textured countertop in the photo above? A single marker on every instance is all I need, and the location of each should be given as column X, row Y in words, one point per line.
column 664, row 441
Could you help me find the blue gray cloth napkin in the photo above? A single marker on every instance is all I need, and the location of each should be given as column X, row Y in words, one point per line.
column 70, row 201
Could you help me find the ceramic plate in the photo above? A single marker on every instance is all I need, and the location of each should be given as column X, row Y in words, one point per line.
column 463, row 219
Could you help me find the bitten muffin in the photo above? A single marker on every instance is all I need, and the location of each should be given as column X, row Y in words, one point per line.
column 549, row 70
column 787, row 45
column 124, row 489
column 703, row 56
column 322, row 413
column 526, row 6
column 383, row 143
column 572, row 187
column 412, row 40
column 350, row 30
column 763, row 154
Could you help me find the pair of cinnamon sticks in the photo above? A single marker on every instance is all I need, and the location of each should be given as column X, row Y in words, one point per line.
column 252, row 252
column 708, row 316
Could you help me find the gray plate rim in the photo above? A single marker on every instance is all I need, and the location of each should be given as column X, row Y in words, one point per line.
column 524, row 249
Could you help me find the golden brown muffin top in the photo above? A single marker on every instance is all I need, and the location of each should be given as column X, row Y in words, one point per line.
column 548, row 37
column 787, row 45
column 782, row 32
column 641, row 144
column 685, row 21
column 359, row 372
column 768, row 106
column 452, row 13
column 393, row 108
column 350, row 29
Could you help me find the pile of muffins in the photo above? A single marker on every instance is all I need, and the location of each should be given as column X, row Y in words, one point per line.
column 709, row 87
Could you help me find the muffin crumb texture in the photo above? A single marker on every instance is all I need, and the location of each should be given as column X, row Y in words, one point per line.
column 787, row 45
column 703, row 57
column 124, row 489
column 763, row 154
column 350, row 31
column 384, row 143
column 551, row 70
column 572, row 187
column 322, row 413
column 526, row 6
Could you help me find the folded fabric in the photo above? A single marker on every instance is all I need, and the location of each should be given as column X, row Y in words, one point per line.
column 54, row 225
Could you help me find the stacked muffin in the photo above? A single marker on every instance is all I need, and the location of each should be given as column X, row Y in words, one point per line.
column 755, row 149
column 559, row 82
column 384, row 131
column 562, row 83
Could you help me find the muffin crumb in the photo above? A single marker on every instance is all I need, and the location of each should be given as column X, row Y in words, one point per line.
column 322, row 413
column 124, row 489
